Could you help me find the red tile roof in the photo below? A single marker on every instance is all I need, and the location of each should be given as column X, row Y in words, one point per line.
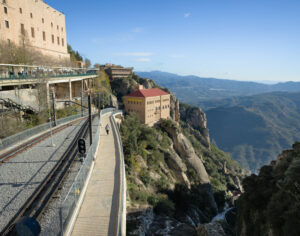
column 147, row 93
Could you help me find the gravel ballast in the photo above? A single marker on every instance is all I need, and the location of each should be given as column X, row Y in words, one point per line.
column 21, row 175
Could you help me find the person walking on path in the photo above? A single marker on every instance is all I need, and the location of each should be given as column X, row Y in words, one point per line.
column 107, row 128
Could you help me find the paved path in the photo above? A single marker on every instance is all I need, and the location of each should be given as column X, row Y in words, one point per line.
column 99, row 210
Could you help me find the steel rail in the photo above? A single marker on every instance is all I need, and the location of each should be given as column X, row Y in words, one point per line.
column 4, row 157
column 35, row 205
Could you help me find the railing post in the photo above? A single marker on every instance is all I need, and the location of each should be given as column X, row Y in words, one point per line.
column 61, row 222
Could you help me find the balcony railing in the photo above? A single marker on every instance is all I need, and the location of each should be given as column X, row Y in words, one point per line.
column 20, row 72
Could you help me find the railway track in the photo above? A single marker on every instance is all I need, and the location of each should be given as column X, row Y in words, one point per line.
column 39, row 200
column 4, row 157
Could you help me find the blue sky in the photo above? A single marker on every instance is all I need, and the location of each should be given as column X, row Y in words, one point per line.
column 257, row 40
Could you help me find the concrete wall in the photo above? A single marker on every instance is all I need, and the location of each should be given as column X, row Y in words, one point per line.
column 25, row 97
column 38, row 19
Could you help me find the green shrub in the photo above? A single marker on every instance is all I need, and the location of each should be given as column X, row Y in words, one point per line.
column 153, row 200
column 162, row 184
column 145, row 176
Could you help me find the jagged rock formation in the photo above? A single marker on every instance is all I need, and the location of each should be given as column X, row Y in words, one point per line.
column 185, row 149
column 174, row 108
column 196, row 118
column 271, row 202
column 113, row 101
column 211, row 229
column 122, row 87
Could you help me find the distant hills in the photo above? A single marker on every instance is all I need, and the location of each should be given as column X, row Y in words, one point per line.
column 254, row 122
column 193, row 89
column 255, row 129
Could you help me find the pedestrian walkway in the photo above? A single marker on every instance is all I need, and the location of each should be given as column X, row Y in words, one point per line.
column 99, row 211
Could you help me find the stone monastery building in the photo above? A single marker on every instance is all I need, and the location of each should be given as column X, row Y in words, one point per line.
column 35, row 23
column 149, row 104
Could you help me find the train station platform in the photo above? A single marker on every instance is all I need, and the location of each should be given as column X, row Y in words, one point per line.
column 99, row 211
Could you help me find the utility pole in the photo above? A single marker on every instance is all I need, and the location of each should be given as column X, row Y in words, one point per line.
column 81, row 98
column 90, row 119
column 53, row 107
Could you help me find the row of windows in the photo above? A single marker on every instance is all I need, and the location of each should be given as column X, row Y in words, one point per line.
column 157, row 101
column 158, row 108
column 131, row 110
column 44, row 34
column 134, row 102
column 31, row 16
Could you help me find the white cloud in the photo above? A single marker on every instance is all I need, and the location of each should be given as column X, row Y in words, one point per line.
column 186, row 15
column 137, row 30
column 134, row 54
column 143, row 59
column 175, row 56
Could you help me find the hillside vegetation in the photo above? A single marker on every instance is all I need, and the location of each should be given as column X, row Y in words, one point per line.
column 255, row 129
column 174, row 175
column 271, row 202
column 159, row 177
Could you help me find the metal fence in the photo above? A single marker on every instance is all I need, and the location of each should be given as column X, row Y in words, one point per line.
column 122, row 206
column 63, row 214
column 11, row 140
column 19, row 72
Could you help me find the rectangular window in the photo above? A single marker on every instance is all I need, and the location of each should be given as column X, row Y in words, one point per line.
column 21, row 11
column 62, row 29
column 7, row 24
column 43, row 21
column 22, row 29
column 63, row 42
column 5, row 10
column 57, row 27
column 52, row 38
column 32, row 32
column 4, row 1
column 58, row 40
column 8, row 41
column 44, row 35
column 31, row 16
column 51, row 24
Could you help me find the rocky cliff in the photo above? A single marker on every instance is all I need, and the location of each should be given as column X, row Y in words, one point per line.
column 271, row 202
column 176, row 179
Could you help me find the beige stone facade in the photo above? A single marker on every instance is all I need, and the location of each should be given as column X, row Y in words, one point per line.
column 117, row 72
column 150, row 105
column 41, row 26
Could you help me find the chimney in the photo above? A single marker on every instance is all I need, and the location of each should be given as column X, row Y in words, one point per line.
column 138, row 87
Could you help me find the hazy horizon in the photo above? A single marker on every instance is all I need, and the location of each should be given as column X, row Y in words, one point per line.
column 210, row 77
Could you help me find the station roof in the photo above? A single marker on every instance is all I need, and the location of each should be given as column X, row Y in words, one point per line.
column 154, row 92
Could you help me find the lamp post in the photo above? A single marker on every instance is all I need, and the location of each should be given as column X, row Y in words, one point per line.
column 51, row 134
column 50, row 119
column 90, row 118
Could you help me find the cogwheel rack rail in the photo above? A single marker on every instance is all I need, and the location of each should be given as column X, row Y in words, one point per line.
column 35, row 205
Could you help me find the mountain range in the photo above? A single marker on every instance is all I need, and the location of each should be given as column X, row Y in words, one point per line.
column 253, row 122
column 193, row 89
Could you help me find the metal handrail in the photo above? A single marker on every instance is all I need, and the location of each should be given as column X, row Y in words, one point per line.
column 122, row 215
column 19, row 72
column 13, row 139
